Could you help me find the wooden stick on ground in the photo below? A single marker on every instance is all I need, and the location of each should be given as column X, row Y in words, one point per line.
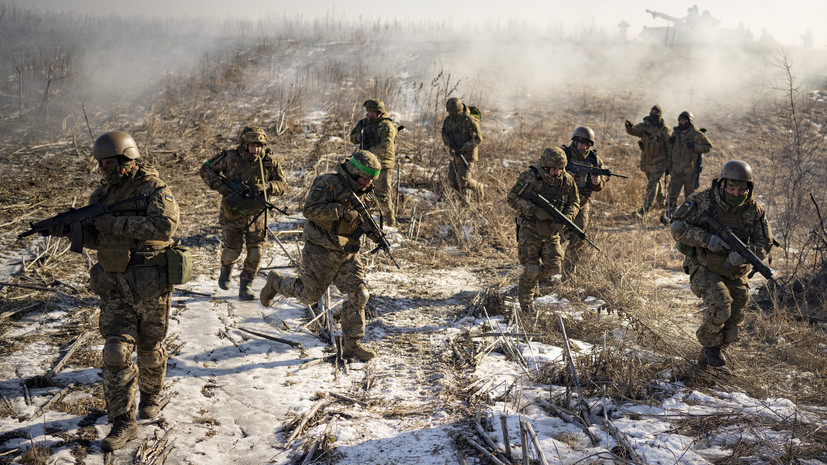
column 51, row 401
column 304, row 419
column 504, row 425
column 536, row 442
column 320, row 440
column 482, row 450
column 72, row 349
column 272, row 338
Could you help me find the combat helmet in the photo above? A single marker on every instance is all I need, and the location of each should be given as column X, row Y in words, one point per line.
column 736, row 170
column 374, row 104
column 688, row 116
column 656, row 108
column 363, row 163
column 584, row 132
column 113, row 144
column 553, row 157
column 453, row 104
column 252, row 135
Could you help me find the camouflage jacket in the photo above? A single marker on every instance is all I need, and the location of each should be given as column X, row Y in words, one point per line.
column 584, row 183
column 462, row 132
column 377, row 136
column 146, row 233
column 653, row 138
column 239, row 165
column 683, row 150
column 325, row 206
column 560, row 192
column 692, row 231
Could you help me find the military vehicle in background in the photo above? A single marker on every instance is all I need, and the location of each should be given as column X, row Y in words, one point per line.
column 698, row 29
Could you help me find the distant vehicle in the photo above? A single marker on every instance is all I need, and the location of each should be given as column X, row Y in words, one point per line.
column 695, row 29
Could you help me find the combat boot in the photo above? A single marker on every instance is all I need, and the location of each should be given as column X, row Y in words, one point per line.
column 354, row 348
column 224, row 277
column 712, row 356
column 149, row 406
column 244, row 291
column 270, row 289
column 123, row 430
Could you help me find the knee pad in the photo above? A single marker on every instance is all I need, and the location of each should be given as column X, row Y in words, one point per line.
column 229, row 256
column 254, row 253
column 720, row 315
column 531, row 271
column 117, row 353
column 730, row 334
column 360, row 297
column 152, row 358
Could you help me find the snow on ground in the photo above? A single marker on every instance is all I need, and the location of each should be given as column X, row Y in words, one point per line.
column 235, row 394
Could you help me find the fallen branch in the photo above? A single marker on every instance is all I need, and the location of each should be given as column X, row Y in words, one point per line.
column 320, row 440
column 315, row 362
column 273, row 338
column 348, row 399
column 509, row 335
column 481, row 450
column 51, row 401
column 536, row 442
column 72, row 349
column 304, row 419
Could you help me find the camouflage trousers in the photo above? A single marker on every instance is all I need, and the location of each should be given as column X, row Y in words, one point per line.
column 576, row 248
column 655, row 192
column 234, row 234
column 678, row 182
column 383, row 191
column 725, row 300
column 134, row 316
column 460, row 177
column 322, row 267
column 541, row 257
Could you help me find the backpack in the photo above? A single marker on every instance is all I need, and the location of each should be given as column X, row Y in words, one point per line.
column 475, row 112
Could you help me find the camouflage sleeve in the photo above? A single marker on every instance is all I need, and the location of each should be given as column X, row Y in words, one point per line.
column 445, row 138
column 386, row 131
column 90, row 232
column 761, row 234
column 321, row 205
column 572, row 205
column 702, row 143
column 516, row 201
column 685, row 221
column 276, row 181
column 636, row 130
column 210, row 170
column 356, row 133
column 160, row 222
column 474, row 135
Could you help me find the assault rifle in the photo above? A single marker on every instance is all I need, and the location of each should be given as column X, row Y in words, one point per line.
column 381, row 240
column 246, row 192
column 455, row 150
column 581, row 170
column 559, row 217
column 75, row 217
column 736, row 245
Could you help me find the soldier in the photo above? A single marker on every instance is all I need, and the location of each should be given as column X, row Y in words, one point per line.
column 461, row 134
column 132, row 282
column 241, row 219
column 580, row 151
column 683, row 152
column 376, row 133
column 332, row 237
column 653, row 135
column 719, row 276
column 538, row 235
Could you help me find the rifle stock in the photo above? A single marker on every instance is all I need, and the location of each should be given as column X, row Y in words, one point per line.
column 736, row 245
column 75, row 217
column 559, row 217
column 382, row 241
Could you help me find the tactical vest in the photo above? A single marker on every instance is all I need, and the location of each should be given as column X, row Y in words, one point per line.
column 717, row 261
column 552, row 193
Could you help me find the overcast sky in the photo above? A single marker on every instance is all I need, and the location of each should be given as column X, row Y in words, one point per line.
column 785, row 20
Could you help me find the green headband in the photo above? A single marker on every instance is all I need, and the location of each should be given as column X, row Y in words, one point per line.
column 369, row 171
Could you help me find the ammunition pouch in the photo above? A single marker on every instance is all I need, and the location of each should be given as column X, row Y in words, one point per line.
column 114, row 254
column 101, row 282
column 179, row 264
column 687, row 250
column 236, row 206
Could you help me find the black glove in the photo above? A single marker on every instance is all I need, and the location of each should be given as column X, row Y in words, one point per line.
column 629, row 124
column 57, row 230
column 224, row 190
column 690, row 145
column 259, row 188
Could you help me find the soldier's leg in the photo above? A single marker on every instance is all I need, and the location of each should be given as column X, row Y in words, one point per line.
column 675, row 185
column 351, row 281
column 118, row 325
column 688, row 185
column 232, row 238
column 319, row 267
column 576, row 247
column 466, row 179
column 453, row 174
column 653, row 189
column 529, row 251
column 710, row 287
column 382, row 191
column 552, row 257
column 739, row 291
column 255, row 240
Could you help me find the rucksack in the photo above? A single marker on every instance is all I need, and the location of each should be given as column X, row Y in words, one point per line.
column 475, row 112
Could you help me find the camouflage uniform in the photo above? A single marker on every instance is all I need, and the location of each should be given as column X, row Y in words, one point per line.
column 239, row 165
column 724, row 288
column 653, row 134
column 331, row 251
column 462, row 131
column 682, row 153
column 378, row 136
column 131, row 280
column 576, row 246
column 538, row 241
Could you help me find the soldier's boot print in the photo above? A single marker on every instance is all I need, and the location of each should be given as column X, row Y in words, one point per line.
column 270, row 289
column 711, row 356
column 353, row 348
column 149, row 406
column 224, row 277
column 244, row 291
column 124, row 429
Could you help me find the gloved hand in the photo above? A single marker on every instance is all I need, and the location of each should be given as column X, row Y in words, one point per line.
column 224, row 190
column 259, row 188
column 735, row 259
column 57, row 230
column 629, row 124
column 716, row 244
column 105, row 224
column 541, row 214
column 690, row 145
column 348, row 214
